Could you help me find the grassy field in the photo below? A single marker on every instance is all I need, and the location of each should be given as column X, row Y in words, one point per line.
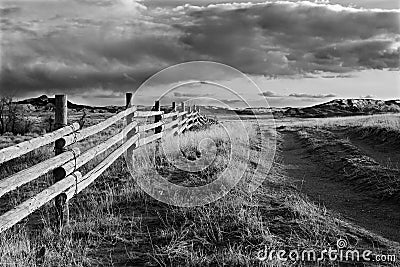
column 114, row 223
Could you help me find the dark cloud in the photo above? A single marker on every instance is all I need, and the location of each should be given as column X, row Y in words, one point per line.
column 269, row 94
column 286, row 38
column 4, row 11
column 374, row 54
column 119, row 51
column 70, row 60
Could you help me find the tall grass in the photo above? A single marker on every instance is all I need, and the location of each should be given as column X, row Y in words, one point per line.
column 381, row 121
column 113, row 222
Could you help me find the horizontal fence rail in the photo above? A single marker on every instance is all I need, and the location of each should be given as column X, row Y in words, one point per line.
column 85, row 133
column 90, row 154
column 83, row 182
column 25, row 176
column 68, row 181
column 147, row 127
column 145, row 114
column 21, row 211
column 22, row 148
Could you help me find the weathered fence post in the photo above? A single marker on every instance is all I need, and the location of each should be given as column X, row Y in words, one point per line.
column 183, row 107
column 60, row 107
column 129, row 117
column 157, row 118
column 129, row 134
column 190, row 121
column 195, row 117
column 128, row 98
column 174, row 117
column 61, row 120
column 157, row 130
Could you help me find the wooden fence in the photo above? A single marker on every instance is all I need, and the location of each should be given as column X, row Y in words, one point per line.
column 68, row 181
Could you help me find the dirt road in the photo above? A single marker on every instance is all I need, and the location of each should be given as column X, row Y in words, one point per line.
column 321, row 181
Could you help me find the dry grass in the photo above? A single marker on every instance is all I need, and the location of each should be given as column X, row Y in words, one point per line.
column 331, row 141
column 389, row 122
column 351, row 165
column 113, row 222
column 383, row 129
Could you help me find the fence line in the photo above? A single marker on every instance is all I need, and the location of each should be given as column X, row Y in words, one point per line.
column 68, row 181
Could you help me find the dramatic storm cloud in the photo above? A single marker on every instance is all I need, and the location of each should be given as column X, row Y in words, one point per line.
column 113, row 46
column 286, row 38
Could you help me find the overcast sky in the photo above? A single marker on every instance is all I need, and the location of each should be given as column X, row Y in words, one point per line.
column 298, row 52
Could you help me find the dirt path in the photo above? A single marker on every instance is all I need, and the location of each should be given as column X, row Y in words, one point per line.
column 385, row 154
column 318, row 182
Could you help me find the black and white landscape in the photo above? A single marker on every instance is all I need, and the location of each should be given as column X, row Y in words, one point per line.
column 199, row 133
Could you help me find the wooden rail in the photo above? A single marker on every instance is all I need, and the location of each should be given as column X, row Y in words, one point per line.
column 86, row 180
column 71, row 166
column 68, row 180
column 25, row 176
column 20, row 149
column 147, row 127
column 78, row 136
column 21, row 211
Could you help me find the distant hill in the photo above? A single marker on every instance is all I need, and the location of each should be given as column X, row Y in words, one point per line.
column 47, row 103
column 334, row 108
column 346, row 107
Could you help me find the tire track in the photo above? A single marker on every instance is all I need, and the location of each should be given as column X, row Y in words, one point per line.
column 383, row 151
column 323, row 184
